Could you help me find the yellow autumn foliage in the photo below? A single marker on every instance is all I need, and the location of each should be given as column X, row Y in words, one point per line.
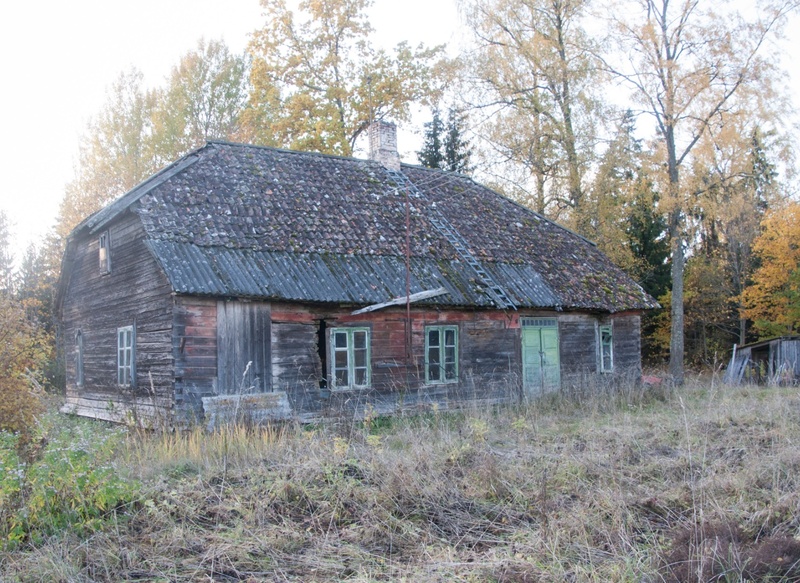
column 772, row 301
column 22, row 353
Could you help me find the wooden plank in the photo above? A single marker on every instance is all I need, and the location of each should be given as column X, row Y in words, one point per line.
column 416, row 297
column 253, row 408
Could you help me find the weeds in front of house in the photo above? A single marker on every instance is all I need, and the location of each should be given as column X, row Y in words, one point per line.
column 64, row 480
column 695, row 484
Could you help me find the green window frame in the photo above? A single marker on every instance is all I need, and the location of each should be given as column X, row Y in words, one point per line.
column 350, row 358
column 606, row 348
column 441, row 354
column 126, row 356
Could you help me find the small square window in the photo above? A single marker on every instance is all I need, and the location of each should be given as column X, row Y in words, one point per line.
column 104, row 252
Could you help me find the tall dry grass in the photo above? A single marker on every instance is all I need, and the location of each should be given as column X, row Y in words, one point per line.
column 694, row 484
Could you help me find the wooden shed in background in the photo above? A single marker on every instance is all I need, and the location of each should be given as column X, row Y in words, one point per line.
column 774, row 361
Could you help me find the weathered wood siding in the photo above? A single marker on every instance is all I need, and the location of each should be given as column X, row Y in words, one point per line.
column 787, row 361
column 580, row 353
column 296, row 365
column 488, row 359
column 769, row 362
column 578, row 344
column 243, row 347
column 627, row 346
column 489, row 355
column 134, row 293
column 194, row 345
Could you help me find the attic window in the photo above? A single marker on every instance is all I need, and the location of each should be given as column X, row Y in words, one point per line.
column 104, row 254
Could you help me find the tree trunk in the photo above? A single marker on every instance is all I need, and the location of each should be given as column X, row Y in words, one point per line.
column 678, row 253
column 676, row 331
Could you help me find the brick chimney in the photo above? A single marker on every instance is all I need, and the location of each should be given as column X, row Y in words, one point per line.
column 383, row 144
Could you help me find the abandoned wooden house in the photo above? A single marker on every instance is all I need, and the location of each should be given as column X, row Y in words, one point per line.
column 775, row 361
column 281, row 284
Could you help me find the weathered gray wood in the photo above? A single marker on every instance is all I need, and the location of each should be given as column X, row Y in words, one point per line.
column 255, row 408
column 98, row 303
column 243, row 345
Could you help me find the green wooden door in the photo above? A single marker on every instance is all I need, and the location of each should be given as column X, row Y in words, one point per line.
column 541, row 367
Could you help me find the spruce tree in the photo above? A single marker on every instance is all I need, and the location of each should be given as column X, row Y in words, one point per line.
column 431, row 155
column 457, row 151
column 444, row 146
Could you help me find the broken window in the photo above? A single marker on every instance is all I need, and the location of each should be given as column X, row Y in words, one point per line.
column 606, row 349
column 350, row 360
column 104, row 254
column 323, row 357
column 126, row 356
column 441, row 354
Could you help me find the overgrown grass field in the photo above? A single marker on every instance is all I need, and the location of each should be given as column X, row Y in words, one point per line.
column 695, row 484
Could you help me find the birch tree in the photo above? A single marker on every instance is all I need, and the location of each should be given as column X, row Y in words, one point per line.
column 317, row 80
column 115, row 152
column 535, row 74
column 205, row 96
column 687, row 63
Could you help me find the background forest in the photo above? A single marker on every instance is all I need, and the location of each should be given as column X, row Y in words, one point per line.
column 657, row 130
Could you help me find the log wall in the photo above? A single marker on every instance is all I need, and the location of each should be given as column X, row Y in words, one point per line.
column 134, row 293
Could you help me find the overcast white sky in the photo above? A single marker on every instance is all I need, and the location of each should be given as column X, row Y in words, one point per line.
column 58, row 57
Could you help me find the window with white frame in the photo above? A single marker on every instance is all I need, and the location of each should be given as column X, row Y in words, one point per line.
column 350, row 358
column 104, row 252
column 79, row 358
column 126, row 356
column 606, row 345
column 441, row 354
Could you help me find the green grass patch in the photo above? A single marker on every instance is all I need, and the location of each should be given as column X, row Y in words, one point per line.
column 68, row 481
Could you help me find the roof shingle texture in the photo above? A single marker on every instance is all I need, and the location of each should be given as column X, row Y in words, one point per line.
column 256, row 206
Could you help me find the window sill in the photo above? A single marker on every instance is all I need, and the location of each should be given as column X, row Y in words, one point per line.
column 349, row 389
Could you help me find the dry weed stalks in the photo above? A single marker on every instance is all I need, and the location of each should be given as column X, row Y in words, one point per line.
column 683, row 486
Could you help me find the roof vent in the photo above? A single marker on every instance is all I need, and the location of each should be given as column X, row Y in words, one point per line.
column 383, row 144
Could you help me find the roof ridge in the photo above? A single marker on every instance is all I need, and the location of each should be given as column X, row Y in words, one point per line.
column 288, row 151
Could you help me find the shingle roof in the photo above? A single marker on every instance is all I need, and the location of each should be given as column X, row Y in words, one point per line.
column 262, row 222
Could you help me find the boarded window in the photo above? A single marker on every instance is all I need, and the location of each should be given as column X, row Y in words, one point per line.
column 441, row 354
column 104, row 253
column 126, row 356
column 350, row 358
column 243, row 347
column 606, row 349
column 79, row 358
